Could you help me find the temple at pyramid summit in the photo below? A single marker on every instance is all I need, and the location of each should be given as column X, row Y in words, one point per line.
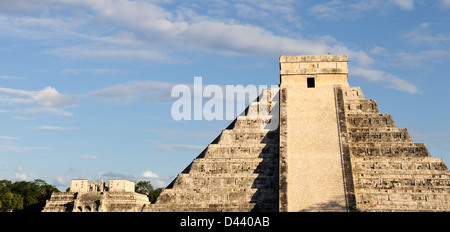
column 314, row 144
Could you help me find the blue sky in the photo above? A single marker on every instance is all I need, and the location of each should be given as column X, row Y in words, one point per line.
column 85, row 84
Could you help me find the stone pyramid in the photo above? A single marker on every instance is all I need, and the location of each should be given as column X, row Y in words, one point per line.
column 333, row 151
column 237, row 172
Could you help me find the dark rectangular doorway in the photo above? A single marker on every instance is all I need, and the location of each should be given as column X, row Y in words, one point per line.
column 310, row 82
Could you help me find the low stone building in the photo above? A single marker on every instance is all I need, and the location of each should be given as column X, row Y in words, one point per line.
column 84, row 196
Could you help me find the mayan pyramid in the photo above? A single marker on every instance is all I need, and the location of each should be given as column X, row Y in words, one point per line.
column 313, row 144
column 333, row 151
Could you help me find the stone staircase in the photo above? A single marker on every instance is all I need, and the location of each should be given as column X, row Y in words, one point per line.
column 60, row 202
column 390, row 171
column 238, row 172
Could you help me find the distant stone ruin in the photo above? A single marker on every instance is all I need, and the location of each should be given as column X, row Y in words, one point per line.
column 333, row 151
column 85, row 196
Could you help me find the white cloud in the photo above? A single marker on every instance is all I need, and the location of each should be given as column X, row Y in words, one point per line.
column 384, row 79
column 47, row 100
column 445, row 3
column 62, row 182
column 11, row 78
column 338, row 9
column 378, row 50
column 8, row 148
column 149, row 174
column 422, row 34
column 28, row 6
column 404, row 4
column 108, row 71
column 437, row 139
column 21, row 176
column 135, row 91
column 143, row 30
column 143, row 27
column 8, row 138
column 53, row 128
column 46, row 110
column 48, row 97
column 419, row 59
column 103, row 51
column 159, row 183
column 89, row 157
column 178, row 147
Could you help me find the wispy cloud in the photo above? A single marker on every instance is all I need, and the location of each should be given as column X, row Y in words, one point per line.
column 445, row 3
column 149, row 174
column 3, row 77
column 47, row 100
column 54, row 128
column 76, row 71
column 384, row 79
column 135, row 91
column 21, row 176
column 438, row 139
column 147, row 30
column 8, row 138
column 88, row 157
column 8, row 148
column 338, row 9
column 143, row 27
column 178, row 147
column 422, row 34
column 102, row 51
column 432, row 46
column 49, row 97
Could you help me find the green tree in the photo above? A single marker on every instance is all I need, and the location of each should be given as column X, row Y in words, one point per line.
column 24, row 195
column 10, row 201
column 154, row 194
column 145, row 187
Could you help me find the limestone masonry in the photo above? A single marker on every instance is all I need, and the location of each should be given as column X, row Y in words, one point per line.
column 333, row 151
column 85, row 196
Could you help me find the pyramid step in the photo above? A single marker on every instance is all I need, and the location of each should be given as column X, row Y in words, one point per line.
column 352, row 93
column 244, row 123
column 232, row 166
column 218, row 154
column 258, row 109
column 198, row 207
column 411, row 201
column 406, row 182
column 379, row 135
column 229, row 181
column 425, row 163
column 390, row 150
column 248, row 137
column 238, row 150
column 216, row 196
column 369, row 120
column 361, row 106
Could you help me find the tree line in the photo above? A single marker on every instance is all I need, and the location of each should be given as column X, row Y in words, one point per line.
column 23, row 196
